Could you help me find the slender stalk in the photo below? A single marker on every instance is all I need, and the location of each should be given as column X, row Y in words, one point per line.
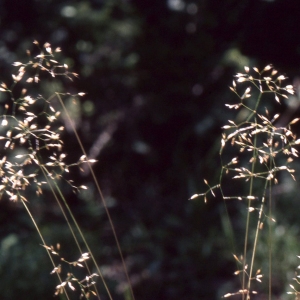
column 71, row 228
column 50, row 183
column 44, row 244
column 101, row 196
column 270, row 242
column 83, row 239
column 247, row 224
column 254, row 157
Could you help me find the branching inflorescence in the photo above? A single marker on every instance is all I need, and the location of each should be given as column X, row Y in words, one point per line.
column 28, row 127
column 262, row 149
column 31, row 153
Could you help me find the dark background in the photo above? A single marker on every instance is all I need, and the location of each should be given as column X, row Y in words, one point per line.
column 156, row 76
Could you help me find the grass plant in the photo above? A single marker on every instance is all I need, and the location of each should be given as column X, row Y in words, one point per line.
column 255, row 149
column 33, row 158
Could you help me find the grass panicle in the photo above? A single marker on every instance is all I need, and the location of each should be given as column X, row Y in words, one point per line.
column 33, row 156
column 261, row 150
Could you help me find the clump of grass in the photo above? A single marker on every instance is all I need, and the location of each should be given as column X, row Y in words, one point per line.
column 260, row 148
column 32, row 157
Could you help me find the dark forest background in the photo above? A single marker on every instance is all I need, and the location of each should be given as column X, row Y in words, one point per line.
column 156, row 76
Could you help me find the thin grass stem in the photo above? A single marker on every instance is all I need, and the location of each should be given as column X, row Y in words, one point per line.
column 101, row 196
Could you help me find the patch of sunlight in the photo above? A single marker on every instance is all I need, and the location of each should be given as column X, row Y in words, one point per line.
column 234, row 57
column 68, row 11
column 178, row 5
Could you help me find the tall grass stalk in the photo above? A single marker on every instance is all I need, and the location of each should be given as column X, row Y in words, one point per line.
column 33, row 157
column 261, row 150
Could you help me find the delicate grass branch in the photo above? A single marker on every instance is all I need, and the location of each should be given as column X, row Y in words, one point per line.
column 30, row 132
column 260, row 148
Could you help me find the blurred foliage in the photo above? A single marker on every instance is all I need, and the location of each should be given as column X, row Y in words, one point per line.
column 156, row 74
